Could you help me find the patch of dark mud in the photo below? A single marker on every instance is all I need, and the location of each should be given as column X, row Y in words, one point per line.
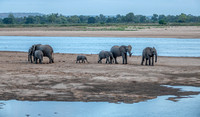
column 133, row 92
column 89, row 91
column 185, row 75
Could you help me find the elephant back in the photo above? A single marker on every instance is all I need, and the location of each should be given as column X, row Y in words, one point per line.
column 115, row 51
column 46, row 49
column 102, row 54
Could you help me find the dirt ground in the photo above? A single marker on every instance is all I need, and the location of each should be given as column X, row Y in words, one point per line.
column 65, row 80
column 141, row 31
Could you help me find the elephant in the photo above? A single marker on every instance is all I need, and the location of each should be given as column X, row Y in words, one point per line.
column 30, row 54
column 81, row 58
column 121, row 51
column 38, row 55
column 149, row 53
column 46, row 49
column 107, row 55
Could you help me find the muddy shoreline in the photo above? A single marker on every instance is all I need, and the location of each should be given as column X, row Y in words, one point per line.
column 67, row 81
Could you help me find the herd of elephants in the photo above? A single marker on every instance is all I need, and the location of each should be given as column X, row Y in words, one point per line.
column 38, row 51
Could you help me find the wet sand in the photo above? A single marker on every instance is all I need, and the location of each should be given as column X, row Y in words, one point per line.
column 65, row 80
column 142, row 31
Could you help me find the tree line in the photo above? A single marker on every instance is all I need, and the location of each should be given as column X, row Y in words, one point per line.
column 56, row 18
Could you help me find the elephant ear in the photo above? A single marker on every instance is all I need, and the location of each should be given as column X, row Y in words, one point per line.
column 154, row 49
column 129, row 47
column 33, row 49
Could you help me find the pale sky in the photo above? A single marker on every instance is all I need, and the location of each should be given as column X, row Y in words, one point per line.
column 106, row 7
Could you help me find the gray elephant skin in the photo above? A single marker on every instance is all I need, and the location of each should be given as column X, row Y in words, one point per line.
column 30, row 54
column 38, row 55
column 121, row 51
column 81, row 58
column 105, row 55
column 47, row 51
column 148, row 54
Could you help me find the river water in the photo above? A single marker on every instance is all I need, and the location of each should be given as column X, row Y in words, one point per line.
column 93, row 45
column 159, row 107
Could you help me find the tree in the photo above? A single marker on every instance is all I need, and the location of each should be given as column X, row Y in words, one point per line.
column 91, row 20
column 74, row 19
column 154, row 18
column 109, row 20
column 52, row 18
column 142, row 19
column 129, row 17
column 118, row 18
column 161, row 17
column 182, row 18
column 29, row 20
column 162, row 22
column 8, row 21
column 102, row 18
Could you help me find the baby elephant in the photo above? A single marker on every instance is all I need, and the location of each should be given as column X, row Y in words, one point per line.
column 38, row 55
column 81, row 58
column 105, row 54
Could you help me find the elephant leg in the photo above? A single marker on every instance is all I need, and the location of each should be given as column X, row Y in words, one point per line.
column 125, row 58
column 146, row 61
column 36, row 60
column 31, row 60
column 107, row 60
column 50, row 61
column 142, row 60
column 110, row 60
column 40, row 61
column 149, row 60
column 50, row 58
column 116, row 61
column 99, row 60
column 152, row 60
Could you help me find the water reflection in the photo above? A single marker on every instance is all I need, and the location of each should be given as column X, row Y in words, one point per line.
column 160, row 107
column 93, row 45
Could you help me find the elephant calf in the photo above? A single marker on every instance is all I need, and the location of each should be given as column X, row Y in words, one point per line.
column 38, row 55
column 107, row 55
column 81, row 58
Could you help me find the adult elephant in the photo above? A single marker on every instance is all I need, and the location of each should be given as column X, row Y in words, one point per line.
column 105, row 55
column 149, row 53
column 121, row 51
column 46, row 49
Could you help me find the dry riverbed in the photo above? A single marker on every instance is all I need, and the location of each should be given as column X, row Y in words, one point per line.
column 65, row 80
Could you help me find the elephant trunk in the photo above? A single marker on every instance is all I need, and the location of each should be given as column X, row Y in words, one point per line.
column 130, row 54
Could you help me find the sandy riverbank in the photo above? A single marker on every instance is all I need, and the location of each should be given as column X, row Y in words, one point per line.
column 65, row 80
column 153, row 32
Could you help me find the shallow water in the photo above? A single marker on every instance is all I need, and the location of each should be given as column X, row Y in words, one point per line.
column 93, row 45
column 159, row 107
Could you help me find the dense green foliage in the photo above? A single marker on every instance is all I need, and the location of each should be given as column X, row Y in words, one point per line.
column 100, row 19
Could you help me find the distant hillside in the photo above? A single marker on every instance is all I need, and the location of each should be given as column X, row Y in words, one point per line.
column 4, row 15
